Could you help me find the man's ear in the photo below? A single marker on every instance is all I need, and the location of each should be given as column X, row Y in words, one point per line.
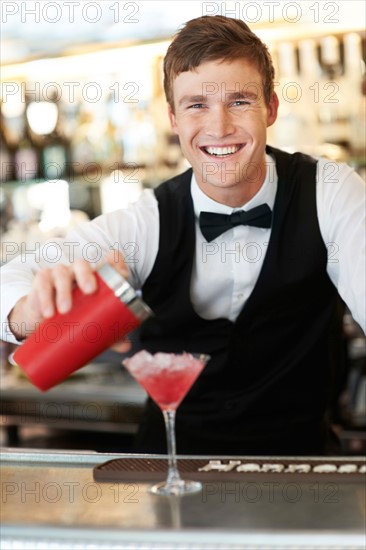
column 272, row 109
column 173, row 120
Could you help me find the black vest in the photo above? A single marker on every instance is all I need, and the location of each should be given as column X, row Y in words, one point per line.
column 267, row 388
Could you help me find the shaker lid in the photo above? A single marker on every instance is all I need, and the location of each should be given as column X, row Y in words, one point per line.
column 124, row 291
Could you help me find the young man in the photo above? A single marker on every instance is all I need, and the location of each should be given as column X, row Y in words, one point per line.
column 231, row 256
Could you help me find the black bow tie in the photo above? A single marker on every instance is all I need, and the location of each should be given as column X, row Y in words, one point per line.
column 212, row 225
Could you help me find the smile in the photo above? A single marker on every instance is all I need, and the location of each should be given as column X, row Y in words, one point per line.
column 222, row 151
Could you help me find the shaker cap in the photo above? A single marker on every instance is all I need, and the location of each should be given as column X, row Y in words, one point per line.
column 125, row 292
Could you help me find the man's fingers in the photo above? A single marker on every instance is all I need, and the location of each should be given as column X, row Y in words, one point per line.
column 52, row 288
column 52, row 291
column 123, row 346
column 115, row 258
column 44, row 290
column 63, row 282
column 84, row 276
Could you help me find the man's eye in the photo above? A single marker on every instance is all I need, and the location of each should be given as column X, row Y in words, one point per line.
column 196, row 106
column 241, row 102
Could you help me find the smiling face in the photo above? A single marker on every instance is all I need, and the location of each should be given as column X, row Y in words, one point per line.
column 221, row 118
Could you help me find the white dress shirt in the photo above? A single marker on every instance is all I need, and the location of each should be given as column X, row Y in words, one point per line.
column 226, row 269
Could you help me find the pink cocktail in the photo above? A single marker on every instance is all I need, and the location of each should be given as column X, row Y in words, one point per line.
column 167, row 378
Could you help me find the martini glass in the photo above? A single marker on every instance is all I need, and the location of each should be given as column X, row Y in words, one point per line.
column 167, row 377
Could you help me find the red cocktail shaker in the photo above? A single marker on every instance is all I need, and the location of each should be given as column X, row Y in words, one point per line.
column 64, row 343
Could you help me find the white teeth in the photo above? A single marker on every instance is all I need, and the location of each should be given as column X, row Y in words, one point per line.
column 221, row 151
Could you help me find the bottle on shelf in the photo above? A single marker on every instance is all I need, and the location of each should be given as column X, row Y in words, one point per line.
column 310, row 74
column 46, row 128
column 354, row 71
column 289, row 130
column 7, row 165
column 12, row 132
column 91, row 156
column 26, row 156
column 335, row 100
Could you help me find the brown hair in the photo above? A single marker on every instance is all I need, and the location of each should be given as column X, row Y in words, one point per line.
column 212, row 38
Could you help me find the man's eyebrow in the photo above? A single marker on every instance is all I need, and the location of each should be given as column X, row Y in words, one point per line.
column 242, row 94
column 226, row 96
column 192, row 99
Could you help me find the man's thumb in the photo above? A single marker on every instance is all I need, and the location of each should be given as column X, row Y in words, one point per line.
column 115, row 258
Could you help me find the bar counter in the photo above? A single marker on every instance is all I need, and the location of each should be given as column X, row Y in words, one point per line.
column 99, row 397
column 54, row 500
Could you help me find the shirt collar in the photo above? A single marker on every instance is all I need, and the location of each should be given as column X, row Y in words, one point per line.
column 266, row 194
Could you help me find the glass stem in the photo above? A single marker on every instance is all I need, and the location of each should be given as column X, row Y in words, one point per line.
column 173, row 474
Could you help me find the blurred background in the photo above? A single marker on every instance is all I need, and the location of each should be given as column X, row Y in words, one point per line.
column 84, row 125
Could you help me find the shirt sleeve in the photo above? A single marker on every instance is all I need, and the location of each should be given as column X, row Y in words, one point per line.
column 341, row 203
column 134, row 231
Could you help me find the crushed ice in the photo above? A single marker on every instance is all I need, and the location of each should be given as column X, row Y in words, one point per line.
column 143, row 360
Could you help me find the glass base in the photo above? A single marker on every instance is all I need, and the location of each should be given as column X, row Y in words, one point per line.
column 175, row 489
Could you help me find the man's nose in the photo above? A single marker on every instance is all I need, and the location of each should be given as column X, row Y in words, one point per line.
column 219, row 123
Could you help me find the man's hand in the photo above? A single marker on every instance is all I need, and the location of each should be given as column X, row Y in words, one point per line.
column 52, row 291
